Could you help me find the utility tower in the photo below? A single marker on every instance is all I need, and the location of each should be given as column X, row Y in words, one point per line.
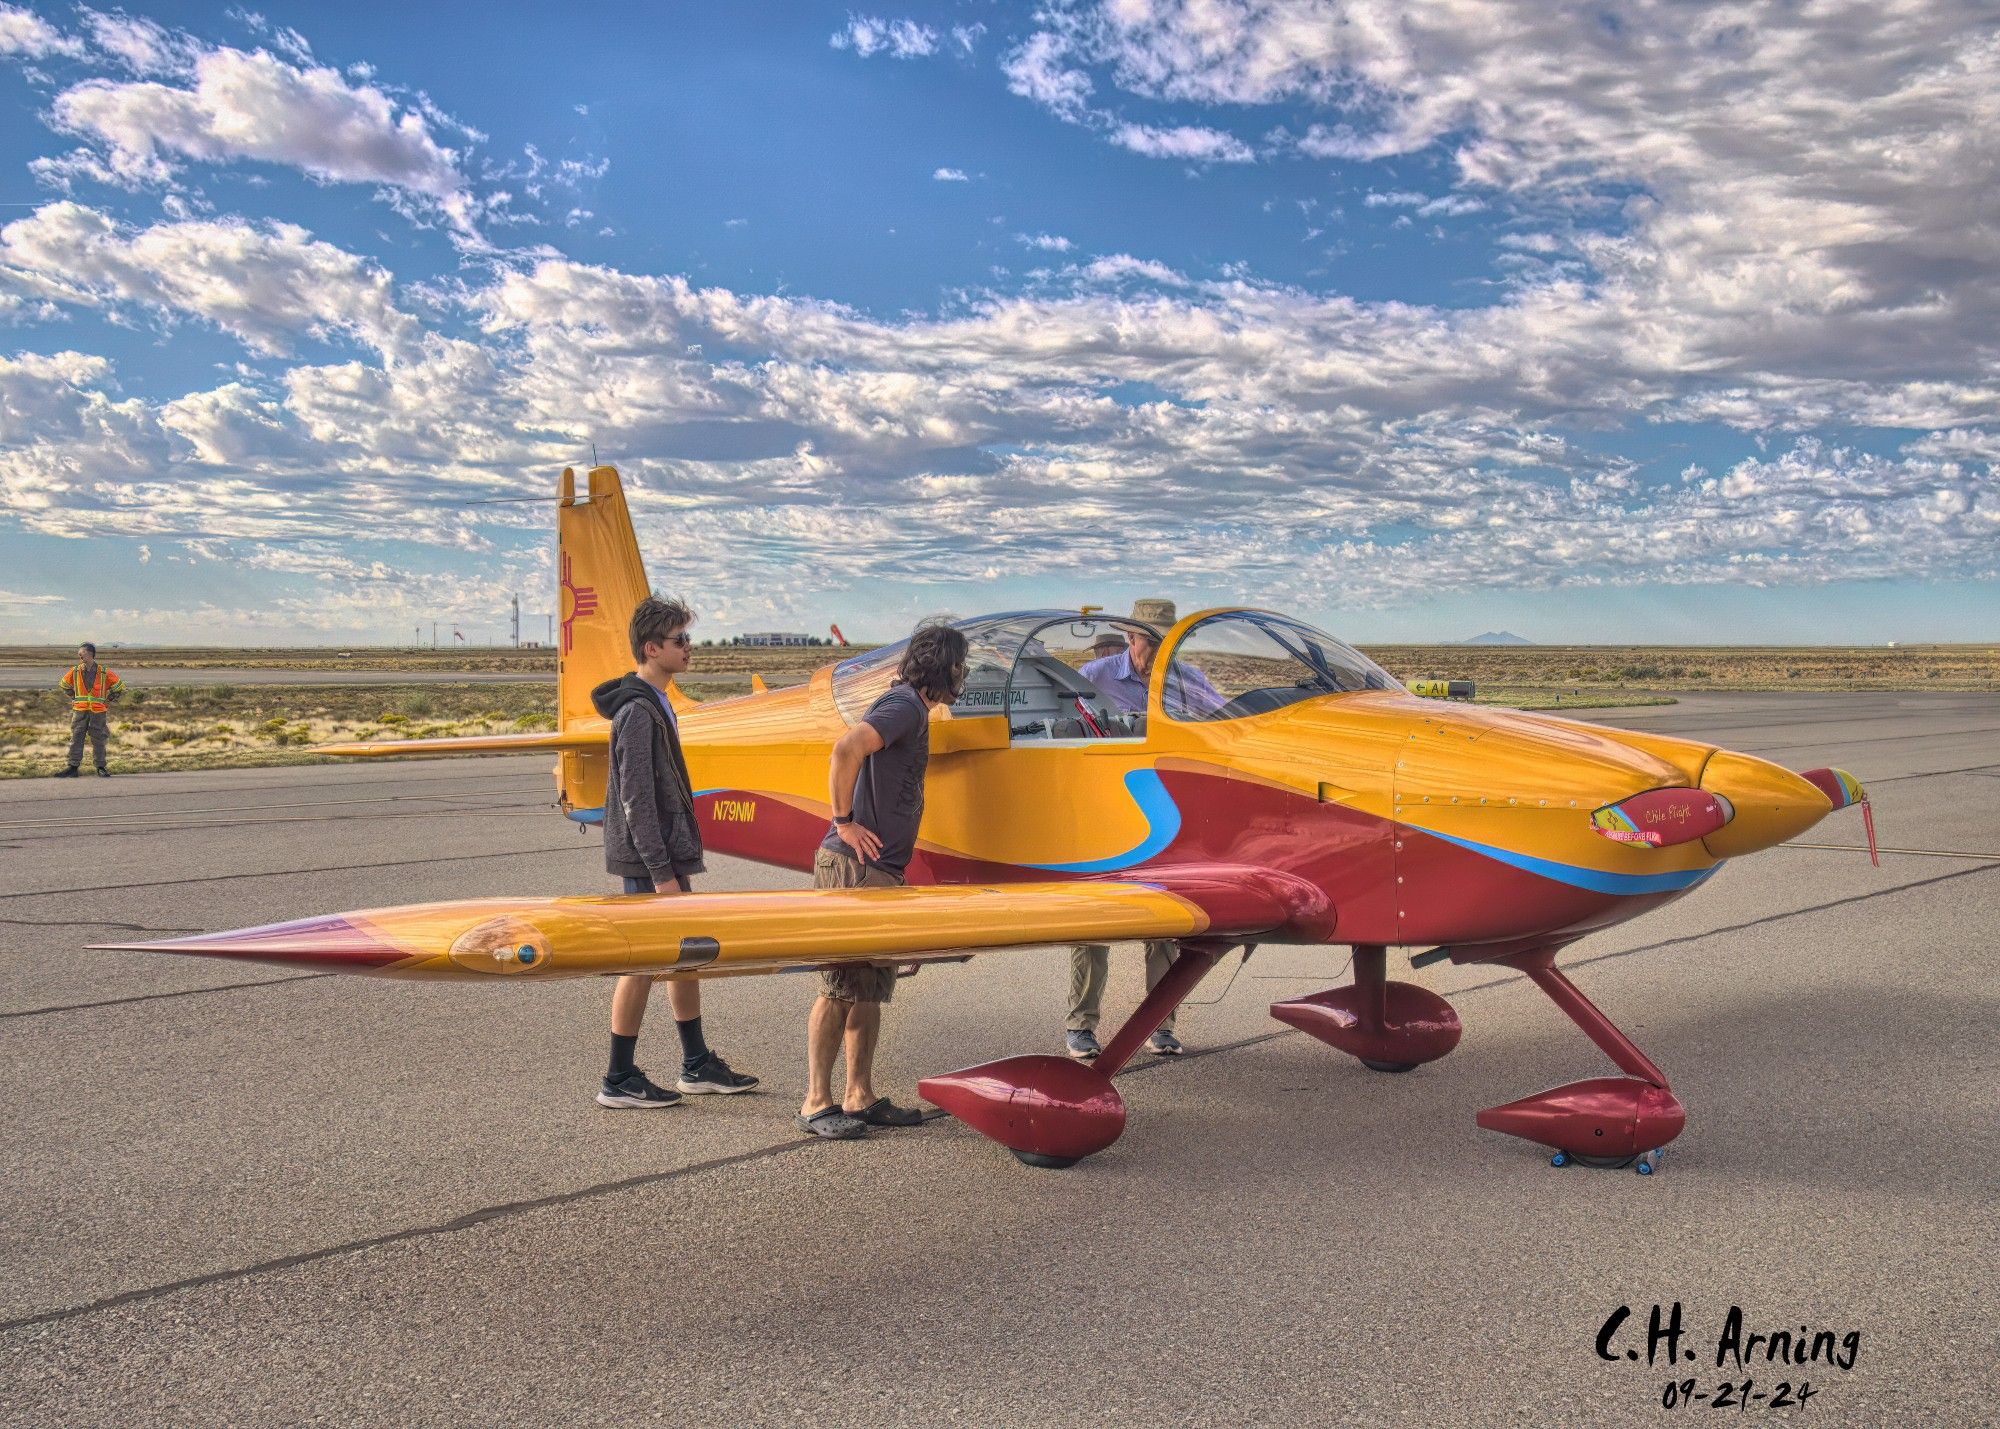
column 517, row 622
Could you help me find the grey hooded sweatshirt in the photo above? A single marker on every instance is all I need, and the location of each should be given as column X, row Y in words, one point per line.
column 649, row 824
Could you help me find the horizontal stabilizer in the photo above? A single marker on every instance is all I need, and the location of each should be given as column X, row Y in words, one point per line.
column 575, row 739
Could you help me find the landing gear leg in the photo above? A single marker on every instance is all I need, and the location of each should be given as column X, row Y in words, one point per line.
column 1603, row 1121
column 1386, row 1026
column 1052, row 1112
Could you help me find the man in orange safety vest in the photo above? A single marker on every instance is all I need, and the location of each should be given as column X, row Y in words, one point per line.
column 89, row 687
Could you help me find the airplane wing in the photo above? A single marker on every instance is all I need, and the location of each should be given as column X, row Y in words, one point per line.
column 712, row 933
column 471, row 744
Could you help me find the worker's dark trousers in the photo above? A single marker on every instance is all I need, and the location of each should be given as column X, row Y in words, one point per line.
column 97, row 726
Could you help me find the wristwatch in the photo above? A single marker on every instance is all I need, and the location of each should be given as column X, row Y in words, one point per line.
column 843, row 818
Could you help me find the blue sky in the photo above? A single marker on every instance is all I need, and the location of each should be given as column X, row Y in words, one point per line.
column 1417, row 320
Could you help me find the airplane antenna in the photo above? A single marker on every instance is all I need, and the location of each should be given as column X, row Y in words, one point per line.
column 593, row 454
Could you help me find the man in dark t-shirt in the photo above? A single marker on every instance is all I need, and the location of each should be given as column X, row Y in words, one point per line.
column 875, row 784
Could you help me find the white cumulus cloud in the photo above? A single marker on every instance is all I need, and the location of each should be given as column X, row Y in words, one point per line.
column 1192, row 142
column 899, row 39
column 24, row 33
column 252, row 106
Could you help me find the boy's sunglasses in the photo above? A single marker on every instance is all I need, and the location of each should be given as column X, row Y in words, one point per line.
column 684, row 640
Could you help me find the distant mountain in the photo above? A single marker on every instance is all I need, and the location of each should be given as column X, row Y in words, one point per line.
column 1497, row 637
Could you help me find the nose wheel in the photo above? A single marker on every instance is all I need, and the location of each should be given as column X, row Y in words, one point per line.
column 1623, row 1121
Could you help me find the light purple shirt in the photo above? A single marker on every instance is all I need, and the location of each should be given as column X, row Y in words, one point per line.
column 1188, row 690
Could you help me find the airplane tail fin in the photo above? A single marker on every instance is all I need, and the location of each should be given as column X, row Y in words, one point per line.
column 602, row 580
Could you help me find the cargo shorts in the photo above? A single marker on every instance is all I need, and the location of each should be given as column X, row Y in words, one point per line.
column 854, row 982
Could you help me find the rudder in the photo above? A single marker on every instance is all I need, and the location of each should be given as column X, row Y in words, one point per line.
column 601, row 580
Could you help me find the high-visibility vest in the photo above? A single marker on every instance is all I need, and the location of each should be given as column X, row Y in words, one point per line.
column 89, row 697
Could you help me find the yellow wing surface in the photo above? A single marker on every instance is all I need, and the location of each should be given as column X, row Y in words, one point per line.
column 569, row 739
column 713, row 933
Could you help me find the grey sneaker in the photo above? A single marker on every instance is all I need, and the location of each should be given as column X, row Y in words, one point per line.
column 1164, row 1044
column 712, row 1074
column 635, row 1089
column 1082, row 1046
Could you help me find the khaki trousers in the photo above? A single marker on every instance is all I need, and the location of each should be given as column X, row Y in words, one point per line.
column 1090, row 965
column 97, row 727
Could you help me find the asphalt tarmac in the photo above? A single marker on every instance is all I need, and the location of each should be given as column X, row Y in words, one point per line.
column 236, row 1195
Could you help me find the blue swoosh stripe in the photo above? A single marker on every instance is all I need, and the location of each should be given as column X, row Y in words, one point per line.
column 596, row 816
column 1593, row 879
column 1163, row 825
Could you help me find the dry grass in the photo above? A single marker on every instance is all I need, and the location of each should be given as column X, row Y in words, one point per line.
column 1680, row 667
column 216, row 726
column 226, row 726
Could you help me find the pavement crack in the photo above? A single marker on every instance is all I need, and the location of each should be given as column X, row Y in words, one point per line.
column 1763, row 922
column 159, row 996
column 1990, row 769
column 447, row 1227
column 88, row 923
column 295, row 872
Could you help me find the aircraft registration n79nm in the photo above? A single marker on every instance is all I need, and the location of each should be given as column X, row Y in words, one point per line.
column 1278, row 787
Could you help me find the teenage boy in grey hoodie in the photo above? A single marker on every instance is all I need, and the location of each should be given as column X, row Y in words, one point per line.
column 651, row 840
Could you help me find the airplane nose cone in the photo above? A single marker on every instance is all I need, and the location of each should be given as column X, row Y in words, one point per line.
column 1772, row 803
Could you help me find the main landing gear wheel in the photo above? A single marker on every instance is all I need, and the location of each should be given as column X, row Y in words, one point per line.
column 1645, row 1163
column 1046, row 1163
column 1385, row 1026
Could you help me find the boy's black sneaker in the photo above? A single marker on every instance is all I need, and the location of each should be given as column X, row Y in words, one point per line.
column 712, row 1074
column 635, row 1089
column 69, row 773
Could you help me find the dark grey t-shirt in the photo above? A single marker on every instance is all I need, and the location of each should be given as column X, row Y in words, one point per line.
column 889, row 791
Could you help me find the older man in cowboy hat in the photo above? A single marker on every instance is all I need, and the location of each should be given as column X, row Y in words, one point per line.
column 1122, row 677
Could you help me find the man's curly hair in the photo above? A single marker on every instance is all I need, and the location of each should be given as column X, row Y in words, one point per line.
column 934, row 663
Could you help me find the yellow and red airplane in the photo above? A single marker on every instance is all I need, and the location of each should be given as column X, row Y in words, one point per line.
column 1278, row 787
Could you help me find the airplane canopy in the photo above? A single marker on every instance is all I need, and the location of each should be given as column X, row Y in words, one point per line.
column 1243, row 662
column 1227, row 665
column 995, row 645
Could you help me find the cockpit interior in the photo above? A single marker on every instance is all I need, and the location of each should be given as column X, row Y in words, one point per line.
column 1083, row 677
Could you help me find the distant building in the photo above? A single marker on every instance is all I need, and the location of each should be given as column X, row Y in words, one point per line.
column 774, row 637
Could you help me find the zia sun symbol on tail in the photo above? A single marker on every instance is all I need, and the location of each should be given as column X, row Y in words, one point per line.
column 581, row 600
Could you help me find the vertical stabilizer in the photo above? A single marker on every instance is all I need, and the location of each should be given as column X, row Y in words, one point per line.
column 601, row 581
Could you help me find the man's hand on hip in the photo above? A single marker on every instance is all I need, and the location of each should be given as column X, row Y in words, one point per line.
column 865, row 843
